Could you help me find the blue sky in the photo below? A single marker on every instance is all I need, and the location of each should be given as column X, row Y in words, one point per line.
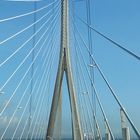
column 118, row 20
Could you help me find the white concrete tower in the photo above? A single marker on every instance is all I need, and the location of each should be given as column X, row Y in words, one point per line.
column 64, row 66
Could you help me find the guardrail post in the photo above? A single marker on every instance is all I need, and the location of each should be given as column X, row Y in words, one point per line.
column 125, row 129
column 107, row 133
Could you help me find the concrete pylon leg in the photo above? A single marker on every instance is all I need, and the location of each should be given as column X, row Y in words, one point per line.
column 58, row 121
column 64, row 66
column 77, row 132
column 55, row 101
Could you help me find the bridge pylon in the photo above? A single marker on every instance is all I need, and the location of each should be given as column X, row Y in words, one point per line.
column 64, row 67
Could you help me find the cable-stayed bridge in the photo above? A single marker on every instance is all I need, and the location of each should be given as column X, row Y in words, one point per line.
column 53, row 85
